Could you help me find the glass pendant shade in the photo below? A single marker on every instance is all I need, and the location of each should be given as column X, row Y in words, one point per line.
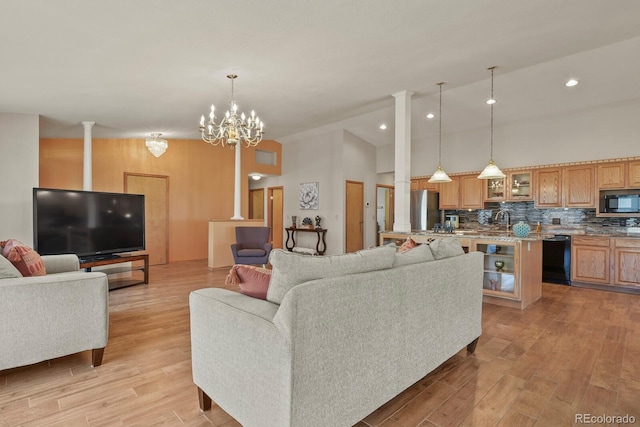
column 156, row 145
column 492, row 171
column 439, row 176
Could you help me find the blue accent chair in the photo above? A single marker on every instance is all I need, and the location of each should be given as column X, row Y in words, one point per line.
column 252, row 245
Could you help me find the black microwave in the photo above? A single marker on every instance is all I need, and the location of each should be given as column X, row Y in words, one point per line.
column 621, row 203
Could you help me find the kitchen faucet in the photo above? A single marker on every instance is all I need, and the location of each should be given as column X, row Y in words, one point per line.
column 504, row 214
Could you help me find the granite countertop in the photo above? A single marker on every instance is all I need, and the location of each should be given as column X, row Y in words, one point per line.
column 503, row 235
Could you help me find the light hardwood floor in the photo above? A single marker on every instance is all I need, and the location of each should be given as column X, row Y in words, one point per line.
column 575, row 351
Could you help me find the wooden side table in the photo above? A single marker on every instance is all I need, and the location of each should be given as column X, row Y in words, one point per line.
column 321, row 245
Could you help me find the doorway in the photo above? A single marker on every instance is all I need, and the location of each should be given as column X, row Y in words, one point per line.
column 275, row 215
column 256, row 203
column 156, row 205
column 384, row 208
column 354, row 216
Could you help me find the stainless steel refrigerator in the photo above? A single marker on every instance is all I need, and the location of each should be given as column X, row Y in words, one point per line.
column 423, row 208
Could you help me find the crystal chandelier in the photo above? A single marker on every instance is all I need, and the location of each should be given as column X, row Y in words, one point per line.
column 157, row 145
column 491, row 171
column 440, row 175
column 232, row 129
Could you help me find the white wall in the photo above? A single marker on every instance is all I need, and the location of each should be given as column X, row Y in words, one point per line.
column 317, row 158
column 360, row 165
column 606, row 132
column 19, row 142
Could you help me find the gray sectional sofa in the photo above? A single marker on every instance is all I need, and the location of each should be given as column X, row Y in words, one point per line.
column 338, row 337
column 44, row 317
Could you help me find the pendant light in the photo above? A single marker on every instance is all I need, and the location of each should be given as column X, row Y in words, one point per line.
column 440, row 175
column 492, row 171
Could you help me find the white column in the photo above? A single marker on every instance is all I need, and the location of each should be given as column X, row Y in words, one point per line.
column 402, row 193
column 237, row 196
column 87, row 170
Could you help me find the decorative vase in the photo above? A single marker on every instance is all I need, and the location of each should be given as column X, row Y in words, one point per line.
column 499, row 265
column 521, row 229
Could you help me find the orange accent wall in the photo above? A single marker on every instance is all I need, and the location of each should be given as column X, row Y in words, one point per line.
column 202, row 180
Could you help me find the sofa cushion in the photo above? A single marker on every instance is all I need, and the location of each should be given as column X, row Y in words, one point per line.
column 7, row 270
column 407, row 245
column 420, row 253
column 446, row 247
column 26, row 260
column 253, row 280
column 291, row 269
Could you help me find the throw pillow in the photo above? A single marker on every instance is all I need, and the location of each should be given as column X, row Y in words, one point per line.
column 291, row 269
column 26, row 260
column 253, row 280
column 407, row 245
column 446, row 247
column 7, row 270
column 421, row 253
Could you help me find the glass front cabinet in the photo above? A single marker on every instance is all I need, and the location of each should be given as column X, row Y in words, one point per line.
column 512, row 271
column 515, row 187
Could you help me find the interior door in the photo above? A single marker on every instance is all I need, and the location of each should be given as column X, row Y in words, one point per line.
column 354, row 216
column 156, row 205
column 275, row 213
column 256, row 203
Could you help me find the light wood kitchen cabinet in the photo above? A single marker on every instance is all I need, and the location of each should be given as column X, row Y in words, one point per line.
column 450, row 194
column 519, row 186
column 548, row 188
column 591, row 260
column 626, row 262
column 423, row 184
column 633, row 174
column 612, row 175
column 570, row 186
column 516, row 281
column 471, row 192
column 495, row 190
column 578, row 185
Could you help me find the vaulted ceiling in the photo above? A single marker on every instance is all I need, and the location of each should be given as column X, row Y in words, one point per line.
column 136, row 67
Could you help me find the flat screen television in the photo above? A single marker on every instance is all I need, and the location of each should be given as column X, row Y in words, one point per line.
column 89, row 224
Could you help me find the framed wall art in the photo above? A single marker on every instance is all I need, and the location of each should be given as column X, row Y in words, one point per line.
column 309, row 196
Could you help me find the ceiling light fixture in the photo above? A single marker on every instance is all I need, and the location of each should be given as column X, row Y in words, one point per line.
column 571, row 83
column 157, row 145
column 383, row 127
column 256, row 177
column 232, row 129
column 430, row 116
column 491, row 171
column 440, row 175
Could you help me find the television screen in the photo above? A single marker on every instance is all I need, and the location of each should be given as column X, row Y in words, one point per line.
column 87, row 223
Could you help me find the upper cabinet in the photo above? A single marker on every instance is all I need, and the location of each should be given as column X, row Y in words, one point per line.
column 618, row 175
column 579, row 186
column 424, row 184
column 519, row 186
column 450, row 194
column 494, row 190
column 471, row 192
column 570, row 186
column 548, row 188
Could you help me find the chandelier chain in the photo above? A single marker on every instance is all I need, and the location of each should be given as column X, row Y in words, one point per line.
column 440, row 127
column 491, row 105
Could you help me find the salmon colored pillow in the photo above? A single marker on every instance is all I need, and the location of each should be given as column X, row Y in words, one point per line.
column 253, row 280
column 408, row 244
column 26, row 260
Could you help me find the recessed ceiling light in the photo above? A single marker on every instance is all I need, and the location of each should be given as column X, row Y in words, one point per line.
column 430, row 116
column 491, row 101
column 383, row 127
column 256, row 177
column 571, row 83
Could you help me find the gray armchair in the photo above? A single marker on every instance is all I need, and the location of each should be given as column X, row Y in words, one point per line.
column 45, row 317
column 252, row 245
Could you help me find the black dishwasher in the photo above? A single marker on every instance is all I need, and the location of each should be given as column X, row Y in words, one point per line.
column 556, row 259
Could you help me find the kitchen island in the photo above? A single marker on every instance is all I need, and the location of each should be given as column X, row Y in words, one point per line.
column 512, row 265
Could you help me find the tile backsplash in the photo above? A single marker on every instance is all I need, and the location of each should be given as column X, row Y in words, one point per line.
column 525, row 211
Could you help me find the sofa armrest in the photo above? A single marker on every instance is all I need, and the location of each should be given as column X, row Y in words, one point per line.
column 267, row 247
column 239, row 358
column 50, row 316
column 54, row 264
